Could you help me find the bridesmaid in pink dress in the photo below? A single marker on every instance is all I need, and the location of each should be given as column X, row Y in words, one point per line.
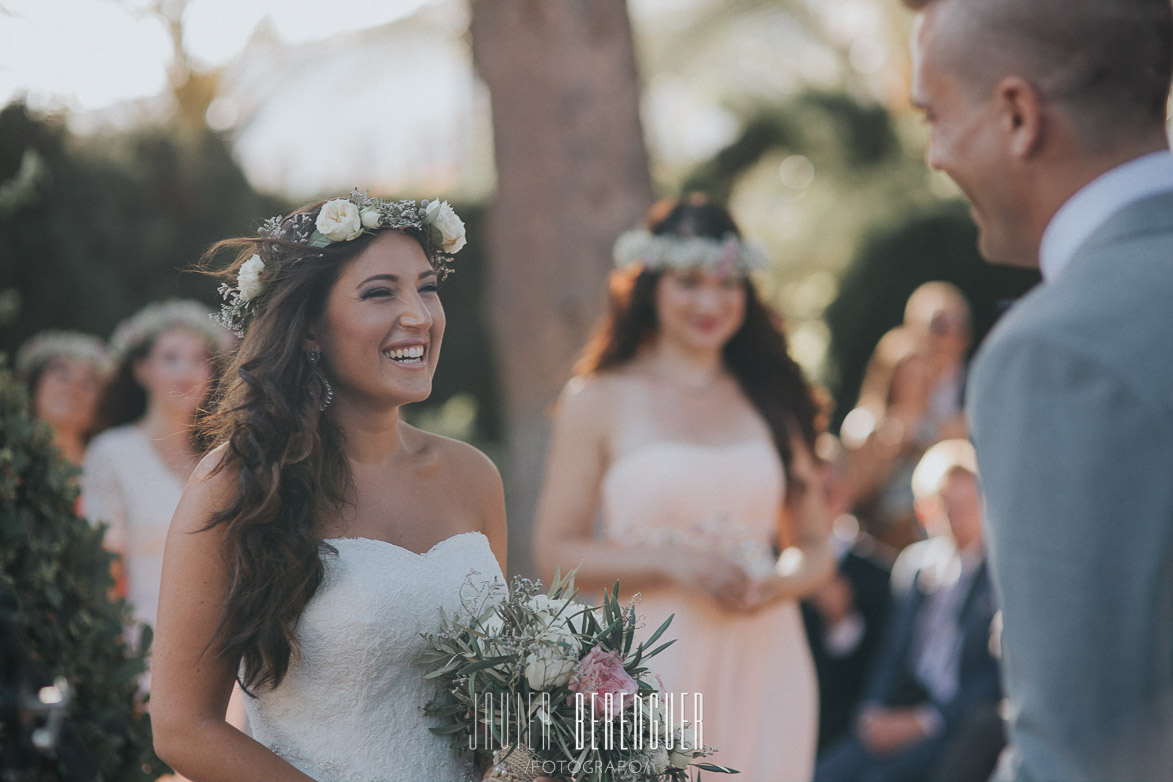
column 680, row 458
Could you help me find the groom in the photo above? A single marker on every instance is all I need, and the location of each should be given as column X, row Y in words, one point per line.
column 1050, row 116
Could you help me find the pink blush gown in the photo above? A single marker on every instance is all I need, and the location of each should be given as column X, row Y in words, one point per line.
column 754, row 670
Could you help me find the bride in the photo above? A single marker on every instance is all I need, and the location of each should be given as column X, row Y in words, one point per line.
column 323, row 534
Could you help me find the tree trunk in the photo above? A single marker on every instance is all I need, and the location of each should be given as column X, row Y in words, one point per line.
column 572, row 173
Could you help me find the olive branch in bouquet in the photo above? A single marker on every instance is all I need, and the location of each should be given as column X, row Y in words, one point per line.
column 545, row 685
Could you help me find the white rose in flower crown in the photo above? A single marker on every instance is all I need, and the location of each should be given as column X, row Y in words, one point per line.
column 248, row 279
column 339, row 220
column 546, row 669
column 443, row 218
column 371, row 218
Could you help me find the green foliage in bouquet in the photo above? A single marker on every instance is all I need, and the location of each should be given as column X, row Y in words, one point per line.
column 54, row 564
column 510, row 670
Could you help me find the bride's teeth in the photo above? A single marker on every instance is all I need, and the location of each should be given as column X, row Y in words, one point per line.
column 411, row 354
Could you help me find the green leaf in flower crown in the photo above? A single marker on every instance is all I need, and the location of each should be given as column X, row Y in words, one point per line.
column 318, row 239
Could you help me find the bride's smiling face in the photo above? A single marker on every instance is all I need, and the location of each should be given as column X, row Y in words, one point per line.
column 381, row 329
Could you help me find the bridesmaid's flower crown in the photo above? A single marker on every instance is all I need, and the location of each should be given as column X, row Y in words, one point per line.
column 157, row 317
column 339, row 220
column 48, row 345
column 679, row 253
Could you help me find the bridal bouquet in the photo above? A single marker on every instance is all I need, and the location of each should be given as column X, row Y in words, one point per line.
column 547, row 686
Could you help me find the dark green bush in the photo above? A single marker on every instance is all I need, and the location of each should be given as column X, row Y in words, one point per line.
column 54, row 563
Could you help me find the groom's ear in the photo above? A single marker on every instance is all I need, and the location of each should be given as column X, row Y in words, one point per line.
column 1021, row 114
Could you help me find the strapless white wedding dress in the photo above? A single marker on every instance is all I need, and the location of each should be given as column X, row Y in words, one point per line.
column 350, row 708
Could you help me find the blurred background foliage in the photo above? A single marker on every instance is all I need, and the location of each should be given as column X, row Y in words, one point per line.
column 794, row 112
column 59, row 620
column 106, row 223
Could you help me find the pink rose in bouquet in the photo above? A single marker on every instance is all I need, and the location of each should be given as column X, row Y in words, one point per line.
column 601, row 673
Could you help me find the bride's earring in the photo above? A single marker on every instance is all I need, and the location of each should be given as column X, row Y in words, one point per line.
column 313, row 355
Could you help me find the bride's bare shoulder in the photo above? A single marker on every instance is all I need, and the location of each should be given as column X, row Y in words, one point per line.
column 452, row 456
column 212, row 487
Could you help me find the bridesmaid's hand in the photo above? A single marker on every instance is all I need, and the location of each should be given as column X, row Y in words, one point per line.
column 713, row 573
column 835, row 601
column 886, row 731
column 787, row 582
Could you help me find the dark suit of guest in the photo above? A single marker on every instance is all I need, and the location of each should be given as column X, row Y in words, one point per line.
column 842, row 672
column 935, row 656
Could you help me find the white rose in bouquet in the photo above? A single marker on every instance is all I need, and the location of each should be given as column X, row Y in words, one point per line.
column 681, row 754
column 493, row 624
column 544, row 604
column 558, row 634
column 443, row 218
column 248, row 279
column 339, row 220
column 547, row 668
column 658, row 760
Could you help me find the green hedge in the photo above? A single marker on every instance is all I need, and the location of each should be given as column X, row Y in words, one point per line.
column 55, row 564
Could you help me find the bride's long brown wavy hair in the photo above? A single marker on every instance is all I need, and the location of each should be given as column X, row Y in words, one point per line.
column 756, row 355
column 285, row 453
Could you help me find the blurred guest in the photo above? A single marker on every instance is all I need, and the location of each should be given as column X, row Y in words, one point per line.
column 845, row 618
column 690, row 432
column 935, row 667
column 64, row 372
column 887, row 433
column 937, row 317
column 164, row 360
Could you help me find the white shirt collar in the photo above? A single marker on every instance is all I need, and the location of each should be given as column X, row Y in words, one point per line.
column 1090, row 208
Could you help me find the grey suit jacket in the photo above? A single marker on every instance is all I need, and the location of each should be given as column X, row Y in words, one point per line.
column 1071, row 410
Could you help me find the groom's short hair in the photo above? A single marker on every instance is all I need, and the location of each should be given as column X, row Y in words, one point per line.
column 1109, row 63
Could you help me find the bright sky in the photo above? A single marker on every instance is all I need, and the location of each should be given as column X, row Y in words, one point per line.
column 89, row 54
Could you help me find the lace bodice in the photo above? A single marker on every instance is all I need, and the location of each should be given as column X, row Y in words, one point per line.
column 350, row 706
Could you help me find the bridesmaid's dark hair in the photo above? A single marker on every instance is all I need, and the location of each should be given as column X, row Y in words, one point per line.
column 756, row 355
column 284, row 453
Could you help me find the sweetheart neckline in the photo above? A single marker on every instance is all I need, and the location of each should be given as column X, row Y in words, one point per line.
column 396, row 546
column 641, row 449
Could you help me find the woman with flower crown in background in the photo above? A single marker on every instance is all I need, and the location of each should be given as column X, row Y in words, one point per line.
column 688, row 431
column 323, row 534
column 135, row 469
column 64, row 372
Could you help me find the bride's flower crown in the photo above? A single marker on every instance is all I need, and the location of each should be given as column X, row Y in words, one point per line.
column 339, row 220
column 678, row 253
